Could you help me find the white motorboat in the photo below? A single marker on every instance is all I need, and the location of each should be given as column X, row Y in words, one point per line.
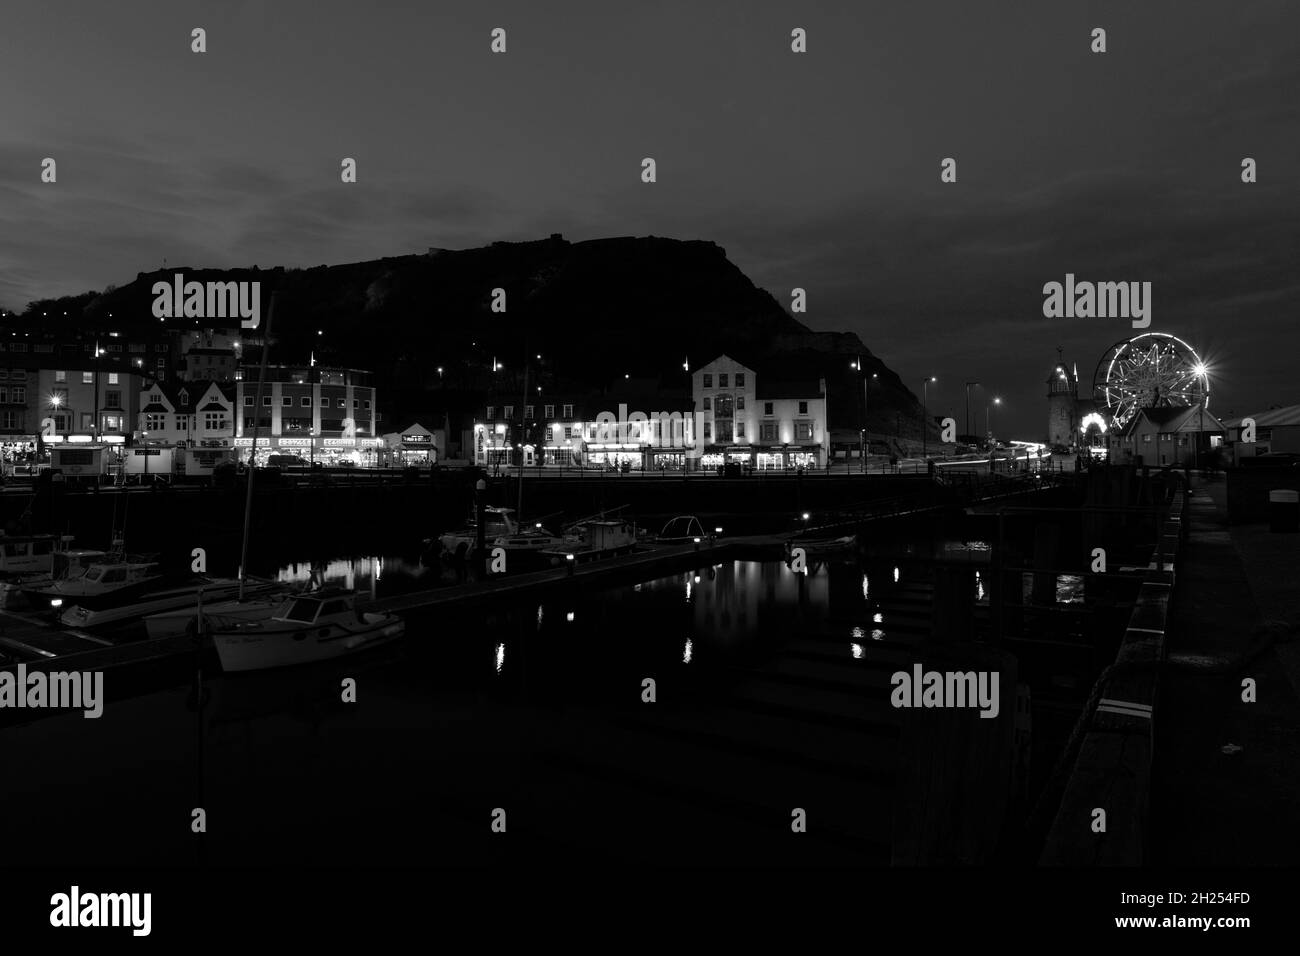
column 50, row 566
column 312, row 627
column 104, row 583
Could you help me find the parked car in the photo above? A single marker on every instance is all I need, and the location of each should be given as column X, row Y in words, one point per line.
column 280, row 460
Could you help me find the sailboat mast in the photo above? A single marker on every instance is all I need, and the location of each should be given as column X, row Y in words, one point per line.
column 523, row 424
column 252, row 455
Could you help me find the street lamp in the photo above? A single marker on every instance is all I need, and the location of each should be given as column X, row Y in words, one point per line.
column 925, row 417
column 862, row 436
column 1202, row 372
column 988, row 427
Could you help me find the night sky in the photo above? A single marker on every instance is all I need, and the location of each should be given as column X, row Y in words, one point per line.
column 818, row 170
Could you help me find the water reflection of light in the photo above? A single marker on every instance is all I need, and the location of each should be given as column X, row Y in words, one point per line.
column 351, row 573
column 866, row 587
column 895, row 575
column 858, row 633
column 877, row 635
column 877, row 618
column 1069, row 588
column 569, row 616
column 979, row 587
column 501, row 657
column 858, row 650
column 688, row 591
column 539, row 616
column 686, row 654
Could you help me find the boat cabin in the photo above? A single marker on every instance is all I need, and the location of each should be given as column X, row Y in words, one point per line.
column 115, row 573
column 321, row 606
column 24, row 554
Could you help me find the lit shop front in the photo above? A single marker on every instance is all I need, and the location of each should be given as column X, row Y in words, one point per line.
column 630, row 456
column 417, row 450
column 562, row 456
column 492, row 446
column 327, row 451
column 767, row 459
column 16, row 448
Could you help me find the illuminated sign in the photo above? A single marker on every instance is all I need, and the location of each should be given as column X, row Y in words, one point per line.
column 339, row 442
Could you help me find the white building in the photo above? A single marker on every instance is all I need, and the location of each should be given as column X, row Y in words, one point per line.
column 187, row 415
column 756, row 417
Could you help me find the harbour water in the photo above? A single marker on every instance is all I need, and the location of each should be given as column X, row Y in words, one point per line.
column 770, row 685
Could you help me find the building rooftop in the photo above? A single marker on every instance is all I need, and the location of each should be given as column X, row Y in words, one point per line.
column 1273, row 418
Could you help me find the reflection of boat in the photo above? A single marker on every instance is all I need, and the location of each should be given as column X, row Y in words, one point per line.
column 500, row 530
column 314, row 627
column 261, row 600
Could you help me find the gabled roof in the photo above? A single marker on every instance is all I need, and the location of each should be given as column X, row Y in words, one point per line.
column 724, row 357
column 213, row 396
column 1174, row 418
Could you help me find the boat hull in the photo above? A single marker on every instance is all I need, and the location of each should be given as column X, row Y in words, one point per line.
column 250, row 648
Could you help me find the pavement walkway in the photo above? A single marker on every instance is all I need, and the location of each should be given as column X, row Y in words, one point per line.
column 1226, row 774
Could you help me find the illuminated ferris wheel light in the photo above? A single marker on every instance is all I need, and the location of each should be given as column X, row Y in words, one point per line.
column 1154, row 369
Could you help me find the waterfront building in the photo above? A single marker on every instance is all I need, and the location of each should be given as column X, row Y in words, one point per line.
column 1277, row 430
column 82, row 404
column 415, row 446
column 1166, row 435
column 550, row 432
column 187, row 414
column 758, row 417
column 326, row 414
column 635, row 425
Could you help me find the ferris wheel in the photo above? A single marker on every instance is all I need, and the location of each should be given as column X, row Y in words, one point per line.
column 1153, row 369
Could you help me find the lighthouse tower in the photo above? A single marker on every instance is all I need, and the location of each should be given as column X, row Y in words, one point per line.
column 1062, row 405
